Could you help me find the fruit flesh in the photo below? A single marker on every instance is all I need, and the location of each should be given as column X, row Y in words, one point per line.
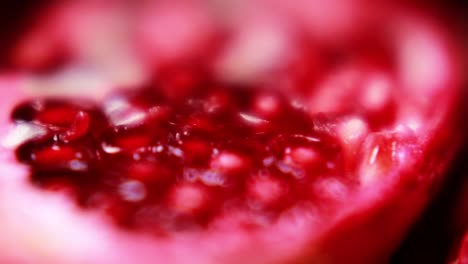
column 284, row 244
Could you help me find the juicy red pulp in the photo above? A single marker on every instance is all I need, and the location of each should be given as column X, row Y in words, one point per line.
column 211, row 157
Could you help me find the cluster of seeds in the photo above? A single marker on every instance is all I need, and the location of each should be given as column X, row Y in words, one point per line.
column 163, row 163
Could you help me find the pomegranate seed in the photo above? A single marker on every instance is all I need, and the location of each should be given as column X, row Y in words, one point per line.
column 377, row 92
column 266, row 190
column 302, row 156
column 188, row 198
column 58, row 116
column 229, row 162
column 331, row 189
column 384, row 152
column 79, row 127
column 123, row 138
column 196, row 151
column 132, row 191
column 148, row 171
column 352, row 133
column 58, row 156
column 267, row 105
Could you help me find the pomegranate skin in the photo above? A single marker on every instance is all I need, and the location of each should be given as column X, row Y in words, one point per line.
column 41, row 227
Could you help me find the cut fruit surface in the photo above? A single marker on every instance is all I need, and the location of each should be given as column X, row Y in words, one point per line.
column 327, row 161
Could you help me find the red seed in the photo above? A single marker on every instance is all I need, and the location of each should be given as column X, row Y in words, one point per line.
column 230, row 162
column 267, row 105
column 58, row 116
column 304, row 156
column 56, row 155
column 79, row 127
column 147, row 171
column 196, row 150
column 188, row 198
column 266, row 190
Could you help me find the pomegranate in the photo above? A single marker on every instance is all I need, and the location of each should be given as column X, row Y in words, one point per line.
column 272, row 136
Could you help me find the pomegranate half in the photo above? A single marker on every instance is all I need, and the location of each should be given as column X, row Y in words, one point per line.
column 297, row 137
